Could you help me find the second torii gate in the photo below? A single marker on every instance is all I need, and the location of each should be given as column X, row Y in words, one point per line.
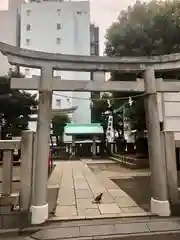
column 46, row 83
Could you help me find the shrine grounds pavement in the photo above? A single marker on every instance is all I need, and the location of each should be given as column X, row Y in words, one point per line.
column 73, row 185
column 122, row 214
column 112, row 229
column 79, row 182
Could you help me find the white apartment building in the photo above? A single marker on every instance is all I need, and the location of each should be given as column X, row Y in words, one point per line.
column 59, row 27
column 54, row 26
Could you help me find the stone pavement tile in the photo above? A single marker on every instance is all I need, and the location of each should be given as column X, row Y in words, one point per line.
column 163, row 226
column 125, row 202
column 97, row 230
column 65, row 188
column 57, row 233
column 78, row 178
column 96, row 187
column 86, row 204
column 83, row 193
column 138, row 214
column 109, row 208
column 132, row 209
column 96, row 190
column 65, row 191
column 66, row 196
column 117, row 193
column 106, row 216
column 89, row 212
column 91, row 177
column 131, row 228
column 67, row 182
column 66, row 201
column 81, row 185
column 70, row 218
column 67, row 185
column 107, row 183
column 64, row 211
column 106, row 198
column 67, row 179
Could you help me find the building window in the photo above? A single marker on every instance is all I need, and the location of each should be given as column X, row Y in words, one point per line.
column 79, row 13
column 58, row 40
column 59, row 12
column 58, row 26
column 28, row 27
column 28, row 42
column 28, row 12
column 58, row 102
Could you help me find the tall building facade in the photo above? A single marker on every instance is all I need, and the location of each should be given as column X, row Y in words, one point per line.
column 60, row 27
column 94, row 40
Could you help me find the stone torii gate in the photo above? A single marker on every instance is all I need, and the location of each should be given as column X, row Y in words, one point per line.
column 46, row 84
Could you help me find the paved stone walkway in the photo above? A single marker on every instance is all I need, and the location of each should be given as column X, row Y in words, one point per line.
column 78, row 186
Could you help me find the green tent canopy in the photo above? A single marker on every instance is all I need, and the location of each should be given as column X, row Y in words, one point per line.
column 87, row 129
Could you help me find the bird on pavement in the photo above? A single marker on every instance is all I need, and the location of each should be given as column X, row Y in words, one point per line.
column 98, row 198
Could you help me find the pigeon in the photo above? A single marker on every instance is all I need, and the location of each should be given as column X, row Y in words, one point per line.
column 98, row 198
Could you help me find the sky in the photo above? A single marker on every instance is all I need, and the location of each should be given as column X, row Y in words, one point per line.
column 103, row 13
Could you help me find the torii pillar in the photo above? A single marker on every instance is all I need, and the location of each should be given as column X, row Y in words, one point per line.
column 39, row 208
column 159, row 200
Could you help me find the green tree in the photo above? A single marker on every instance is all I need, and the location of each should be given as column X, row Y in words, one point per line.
column 58, row 124
column 15, row 108
column 144, row 29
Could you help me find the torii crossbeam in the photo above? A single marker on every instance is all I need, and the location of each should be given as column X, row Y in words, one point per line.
column 57, row 84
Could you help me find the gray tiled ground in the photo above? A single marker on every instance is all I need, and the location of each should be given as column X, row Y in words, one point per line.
column 131, row 228
column 104, row 231
column 163, row 226
column 97, row 230
column 57, row 233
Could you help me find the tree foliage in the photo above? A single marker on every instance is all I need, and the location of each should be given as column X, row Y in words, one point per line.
column 58, row 124
column 15, row 108
column 144, row 29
